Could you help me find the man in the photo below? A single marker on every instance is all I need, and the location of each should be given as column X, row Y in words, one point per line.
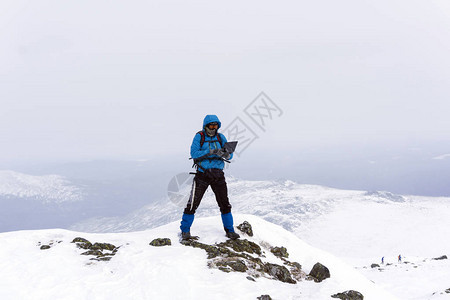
column 209, row 155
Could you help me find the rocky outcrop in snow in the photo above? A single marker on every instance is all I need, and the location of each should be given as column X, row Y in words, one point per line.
column 101, row 251
column 349, row 295
column 319, row 272
column 248, row 257
column 440, row 257
column 159, row 242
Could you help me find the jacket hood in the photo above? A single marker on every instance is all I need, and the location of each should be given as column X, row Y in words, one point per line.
column 211, row 118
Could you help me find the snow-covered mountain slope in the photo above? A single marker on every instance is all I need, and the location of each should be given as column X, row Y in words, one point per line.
column 141, row 271
column 285, row 203
column 30, row 202
column 312, row 212
column 46, row 189
column 359, row 227
column 58, row 201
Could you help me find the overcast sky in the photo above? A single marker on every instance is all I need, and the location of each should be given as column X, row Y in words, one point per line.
column 108, row 79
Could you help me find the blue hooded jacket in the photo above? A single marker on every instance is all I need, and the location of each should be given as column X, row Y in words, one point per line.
column 210, row 143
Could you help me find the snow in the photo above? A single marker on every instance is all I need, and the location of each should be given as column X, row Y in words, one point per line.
column 361, row 233
column 359, row 227
column 47, row 188
column 140, row 271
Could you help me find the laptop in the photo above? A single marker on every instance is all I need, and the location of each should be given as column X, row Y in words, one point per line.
column 230, row 146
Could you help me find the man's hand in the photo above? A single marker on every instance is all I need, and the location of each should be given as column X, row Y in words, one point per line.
column 220, row 152
column 214, row 151
column 223, row 153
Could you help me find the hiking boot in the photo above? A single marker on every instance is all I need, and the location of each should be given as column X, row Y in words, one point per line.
column 232, row 235
column 186, row 235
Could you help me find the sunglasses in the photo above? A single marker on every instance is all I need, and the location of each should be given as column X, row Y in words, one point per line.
column 212, row 126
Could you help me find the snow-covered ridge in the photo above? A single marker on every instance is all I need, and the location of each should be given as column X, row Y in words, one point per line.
column 140, row 271
column 285, row 203
column 359, row 227
column 46, row 188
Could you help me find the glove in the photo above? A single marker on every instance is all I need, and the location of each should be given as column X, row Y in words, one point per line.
column 223, row 153
column 214, row 151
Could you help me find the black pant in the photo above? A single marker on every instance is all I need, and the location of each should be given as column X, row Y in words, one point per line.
column 214, row 178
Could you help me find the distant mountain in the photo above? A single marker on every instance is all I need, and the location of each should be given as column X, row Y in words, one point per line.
column 46, row 264
column 285, row 203
column 69, row 195
column 49, row 201
column 47, row 189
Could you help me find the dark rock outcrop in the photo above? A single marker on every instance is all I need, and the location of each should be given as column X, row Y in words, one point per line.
column 101, row 251
column 319, row 272
column 264, row 297
column 93, row 252
column 280, row 252
column 47, row 246
column 296, row 270
column 349, row 295
column 247, row 257
column 242, row 246
column 246, row 228
column 441, row 257
column 103, row 246
column 279, row 272
column 161, row 242
column 374, row 266
column 82, row 243
column 227, row 265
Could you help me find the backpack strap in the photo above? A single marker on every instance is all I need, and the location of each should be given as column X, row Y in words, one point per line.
column 198, row 160
column 202, row 138
column 219, row 139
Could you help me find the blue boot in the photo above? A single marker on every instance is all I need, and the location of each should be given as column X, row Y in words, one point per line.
column 227, row 220
column 186, row 222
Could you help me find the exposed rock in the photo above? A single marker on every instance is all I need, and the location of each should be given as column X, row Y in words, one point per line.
column 279, row 272
column 102, row 258
column 374, row 266
column 102, row 251
column 239, row 256
column 161, row 242
column 349, row 295
column 246, row 228
column 441, row 257
column 212, row 251
column 447, row 291
column 48, row 245
column 264, row 297
column 242, row 246
column 93, row 252
column 103, row 246
column 251, row 278
column 82, row 243
column 280, row 252
column 237, row 265
column 296, row 270
column 319, row 272
column 80, row 240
